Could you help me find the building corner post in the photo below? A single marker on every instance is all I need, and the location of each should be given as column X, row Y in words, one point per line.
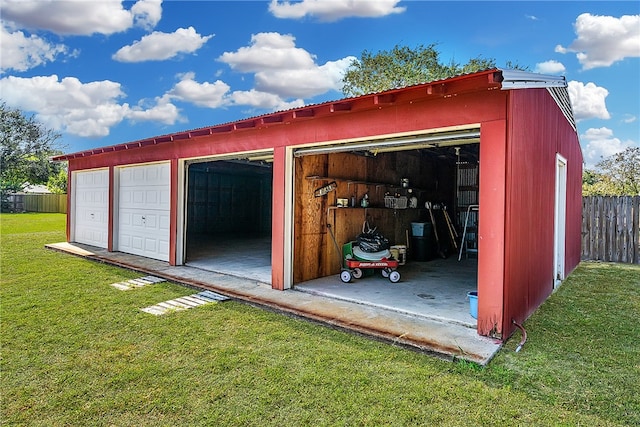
column 278, row 237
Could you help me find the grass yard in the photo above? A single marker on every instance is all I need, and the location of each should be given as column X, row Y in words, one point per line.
column 75, row 351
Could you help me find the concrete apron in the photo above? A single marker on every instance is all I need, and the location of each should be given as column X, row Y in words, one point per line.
column 450, row 341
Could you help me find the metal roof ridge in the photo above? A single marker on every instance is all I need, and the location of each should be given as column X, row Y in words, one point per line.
column 517, row 79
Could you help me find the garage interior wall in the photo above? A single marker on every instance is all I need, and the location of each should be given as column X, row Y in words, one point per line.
column 431, row 174
column 229, row 198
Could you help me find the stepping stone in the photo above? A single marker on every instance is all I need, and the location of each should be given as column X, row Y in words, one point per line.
column 137, row 283
column 210, row 295
column 153, row 279
column 185, row 303
column 122, row 286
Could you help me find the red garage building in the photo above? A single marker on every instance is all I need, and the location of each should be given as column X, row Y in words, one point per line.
column 502, row 140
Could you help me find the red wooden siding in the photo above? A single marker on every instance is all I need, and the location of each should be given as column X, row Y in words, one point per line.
column 412, row 109
column 173, row 214
column 491, row 233
column 277, row 220
column 537, row 131
column 70, row 207
column 112, row 205
column 569, row 147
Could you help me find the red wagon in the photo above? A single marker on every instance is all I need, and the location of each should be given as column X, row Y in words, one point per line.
column 354, row 264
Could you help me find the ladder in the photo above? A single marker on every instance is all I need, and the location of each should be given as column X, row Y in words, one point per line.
column 464, row 244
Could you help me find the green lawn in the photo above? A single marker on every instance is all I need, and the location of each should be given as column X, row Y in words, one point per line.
column 76, row 351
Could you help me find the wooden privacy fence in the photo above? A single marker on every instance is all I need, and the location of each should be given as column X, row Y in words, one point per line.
column 38, row 203
column 611, row 228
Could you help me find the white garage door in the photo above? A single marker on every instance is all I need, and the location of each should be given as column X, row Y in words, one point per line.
column 91, row 219
column 143, row 210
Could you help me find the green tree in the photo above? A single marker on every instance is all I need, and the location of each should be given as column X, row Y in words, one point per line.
column 26, row 147
column 594, row 183
column 57, row 183
column 617, row 175
column 403, row 66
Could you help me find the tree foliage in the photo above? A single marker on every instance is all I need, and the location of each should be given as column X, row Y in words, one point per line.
column 617, row 175
column 57, row 183
column 26, row 147
column 403, row 66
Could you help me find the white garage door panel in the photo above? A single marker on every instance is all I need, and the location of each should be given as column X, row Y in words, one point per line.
column 135, row 176
column 92, row 207
column 144, row 211
column 144, row 233
column 145, row 197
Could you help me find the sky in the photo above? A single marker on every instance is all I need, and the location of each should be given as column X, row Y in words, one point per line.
column 105, row 72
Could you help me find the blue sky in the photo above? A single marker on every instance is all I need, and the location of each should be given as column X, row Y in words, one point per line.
column 107, row 72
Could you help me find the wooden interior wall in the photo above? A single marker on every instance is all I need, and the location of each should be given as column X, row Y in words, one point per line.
column 315, row 253
column 310, row 227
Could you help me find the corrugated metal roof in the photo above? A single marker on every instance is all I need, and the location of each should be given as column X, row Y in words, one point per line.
column 555, row 85
column 561, row 96
column 506, row 79
column 35, row 189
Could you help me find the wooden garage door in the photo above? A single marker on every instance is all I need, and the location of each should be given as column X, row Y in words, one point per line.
column 91, row 207
column 143, row 210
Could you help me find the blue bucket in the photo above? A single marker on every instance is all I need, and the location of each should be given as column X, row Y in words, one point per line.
column 473, row 304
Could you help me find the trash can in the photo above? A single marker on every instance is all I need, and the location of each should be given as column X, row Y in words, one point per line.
column 420, row 229
column 421, row 241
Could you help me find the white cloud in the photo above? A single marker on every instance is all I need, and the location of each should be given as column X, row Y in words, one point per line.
column 326, row 10
column 550, row 67
column 159, row 46
column 588, row 100
column 147, row 13
column 604, row 40
column 83, row 109
column 269, row 51
column 217, row 94
column 81, row 17
column 285, row 70
column 210, row 95
column 163, row 112
column 21, row 52
column 263, row 100
column 67, row 105
column 629, row 118
column 601, row 144
column 306, row 82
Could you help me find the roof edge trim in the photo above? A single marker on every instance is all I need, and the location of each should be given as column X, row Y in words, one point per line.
column 516, row 79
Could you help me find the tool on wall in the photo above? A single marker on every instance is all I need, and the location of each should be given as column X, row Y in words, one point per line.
column 452, row 231
column 335, row 242
column 324, row 190
column 441, row 252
